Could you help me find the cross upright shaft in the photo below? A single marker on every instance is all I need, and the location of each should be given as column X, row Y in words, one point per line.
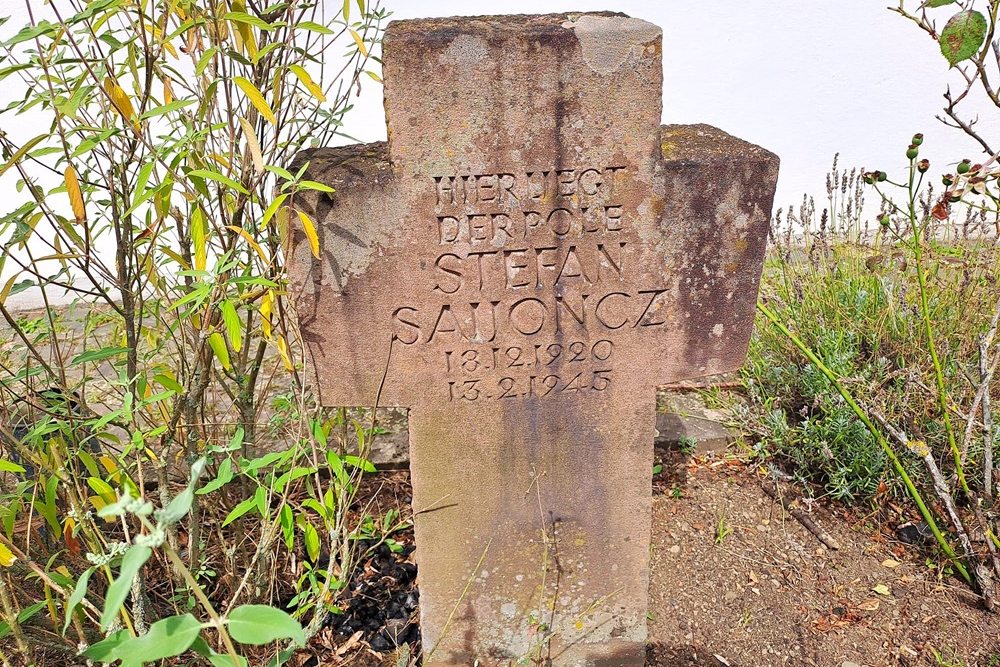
column 524, row 263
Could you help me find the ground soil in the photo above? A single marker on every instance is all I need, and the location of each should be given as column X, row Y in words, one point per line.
column 735, row 580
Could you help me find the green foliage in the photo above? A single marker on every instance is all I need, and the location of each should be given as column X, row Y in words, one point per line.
column 895, row 330
column 160, row 203
column 259, row 624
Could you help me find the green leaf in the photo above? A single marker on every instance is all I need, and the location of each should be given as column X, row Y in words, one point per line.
column 313, row 27
column 169, row 382
column 287, row 526
column 219, row 178
column 218, row 345
column 26, row 615
column 242, row 508
column 201, row 647
column 962, row 36
column 359, row 462
column 133, row 560
column 224, row 477
column 166, row 108
column 166, row 638
column 10, row 466
column 243, row 17
column 31, row 32
column 313, row 185
column 234, row 328
column 77, row 596
column 98, row 355
column 181, row 504
column 937, row 3
column 259, row 624
column 107, row 650
column 312, row 541
column 272, row 209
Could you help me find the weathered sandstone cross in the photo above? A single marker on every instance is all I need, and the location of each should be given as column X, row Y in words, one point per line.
column 521, row 266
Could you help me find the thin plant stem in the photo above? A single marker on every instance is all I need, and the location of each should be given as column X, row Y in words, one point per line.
column 877, row 434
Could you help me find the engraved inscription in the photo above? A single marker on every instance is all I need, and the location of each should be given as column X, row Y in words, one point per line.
column 528, row 283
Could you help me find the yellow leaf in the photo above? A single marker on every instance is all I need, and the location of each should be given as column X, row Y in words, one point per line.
column 283, row 350
column 6, row 288
column 7, row 557
column 256, row 99
column 121, row 100
column 308, row 82
column 21, row 152
column 360, row 42
column 75, row 194
column 168, row 91
column 253, row 144
column 249, row 239
column 266, row 308
column 310, row 230
column 109, row 464
column 245, row 38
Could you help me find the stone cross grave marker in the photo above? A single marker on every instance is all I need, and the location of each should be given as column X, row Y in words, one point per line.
column 521, row 266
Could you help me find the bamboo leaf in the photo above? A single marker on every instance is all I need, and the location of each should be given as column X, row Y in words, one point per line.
column 285, row 357
column 234, row 328
column 219, row 178
column 7, row 558
column 79, row 591
column 256, row 98
column 248, row 19
column 310, row 229
column 199, row 238
column 253, row 144
column 249, row 239
column 347, row 10
column 360, row 42
column 21, row 152
column 308, row 82
column 266, row 308
column 168, row 91
column 5, row 292
column 75, row 194
column 120, row 100
column 272, row 209
column 312, row 26
column 10, row 466
column 218, row 345
column 98, row 355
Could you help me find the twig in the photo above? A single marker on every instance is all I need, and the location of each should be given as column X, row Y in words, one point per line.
column 801, row 517
column 987, row 377
column 984, row 578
